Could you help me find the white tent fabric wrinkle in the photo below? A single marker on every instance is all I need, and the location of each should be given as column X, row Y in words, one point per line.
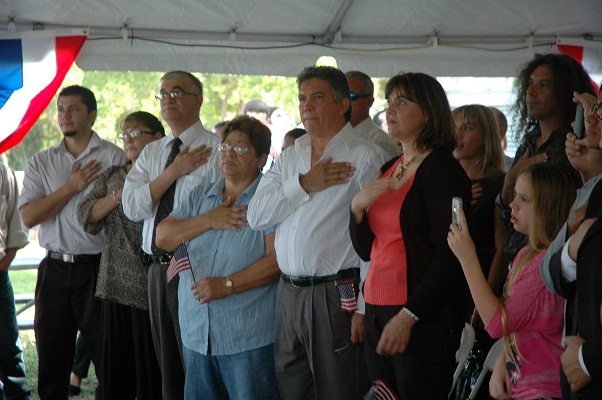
column 280, row 37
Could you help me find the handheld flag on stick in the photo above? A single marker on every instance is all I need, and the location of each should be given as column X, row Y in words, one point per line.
column 347, row 294
column 179, row 262
column 380, row 391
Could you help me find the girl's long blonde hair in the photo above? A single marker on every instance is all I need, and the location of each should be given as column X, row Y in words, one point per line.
column 554, row 187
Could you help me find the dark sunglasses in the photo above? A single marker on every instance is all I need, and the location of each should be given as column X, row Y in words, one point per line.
column 355, row 96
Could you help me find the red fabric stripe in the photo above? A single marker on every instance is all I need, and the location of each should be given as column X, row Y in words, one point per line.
column 574, row 51
column 67, row 49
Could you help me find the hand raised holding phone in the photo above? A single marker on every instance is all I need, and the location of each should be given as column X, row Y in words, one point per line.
column 459, row 239
column 579, row 125
column 456, row 206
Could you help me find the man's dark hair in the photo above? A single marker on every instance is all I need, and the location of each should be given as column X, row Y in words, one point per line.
column 256, row 106
column 380, row 117
column 568, row 77
column 367, row 84
column 295, row 133
column 86, row 95
column 335, row 78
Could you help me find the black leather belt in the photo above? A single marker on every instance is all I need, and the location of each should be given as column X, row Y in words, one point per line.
column 72, row 258
column 316, row 280
column 148, row 259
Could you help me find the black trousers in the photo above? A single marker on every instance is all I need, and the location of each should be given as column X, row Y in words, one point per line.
column 65, row 302
column 129, row 365
column 12, row 367
column 425, row 370
column 81, row 362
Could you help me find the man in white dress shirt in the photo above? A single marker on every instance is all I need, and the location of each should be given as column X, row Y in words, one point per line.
column 56, row 180
column 362, row 98
column 307, row 194
column 150, row 181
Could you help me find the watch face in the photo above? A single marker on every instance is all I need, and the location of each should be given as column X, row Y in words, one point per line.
column 229, row 283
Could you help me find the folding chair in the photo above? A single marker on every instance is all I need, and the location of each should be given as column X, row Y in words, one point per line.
column 466, row 343
column 495, row 352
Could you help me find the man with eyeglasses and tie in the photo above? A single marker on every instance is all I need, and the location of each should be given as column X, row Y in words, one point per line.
column 362, row 98
column 56, row 180
column 164, row 174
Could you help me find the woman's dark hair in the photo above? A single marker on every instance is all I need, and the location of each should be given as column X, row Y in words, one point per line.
column 259, row 135
column 424, row 90
column 568, row 77
column 146, row 119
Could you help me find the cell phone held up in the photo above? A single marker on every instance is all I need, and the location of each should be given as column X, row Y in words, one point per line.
column 456, row 206
column 579, row 121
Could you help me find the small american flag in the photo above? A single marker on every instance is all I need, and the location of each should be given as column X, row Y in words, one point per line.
column 347, row 294
column 179, row 262
column 380, row 391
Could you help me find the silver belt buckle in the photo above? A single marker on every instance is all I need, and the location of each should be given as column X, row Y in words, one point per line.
column 69, row 258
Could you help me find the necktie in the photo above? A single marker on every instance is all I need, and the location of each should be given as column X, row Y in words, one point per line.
column 166, row 203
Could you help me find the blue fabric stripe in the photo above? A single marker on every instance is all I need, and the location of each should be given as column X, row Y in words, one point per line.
column 11, row 68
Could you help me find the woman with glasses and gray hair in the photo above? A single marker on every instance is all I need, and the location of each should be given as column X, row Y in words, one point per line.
column 129, row 367
column 227, row 295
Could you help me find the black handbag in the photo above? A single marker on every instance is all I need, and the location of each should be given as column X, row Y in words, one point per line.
column 470, row 373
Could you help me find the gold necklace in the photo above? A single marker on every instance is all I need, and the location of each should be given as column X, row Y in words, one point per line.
column 402, row 167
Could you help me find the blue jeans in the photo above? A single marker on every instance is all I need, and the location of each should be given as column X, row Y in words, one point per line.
column 12, row 368
column 244, row 376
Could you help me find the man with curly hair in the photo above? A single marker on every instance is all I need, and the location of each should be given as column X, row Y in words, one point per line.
column 543, row 112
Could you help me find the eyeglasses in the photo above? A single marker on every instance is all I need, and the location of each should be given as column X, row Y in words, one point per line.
column 596, row 110
column 176, row 94
column 225, row 147
column 355, row 96
column 133, row 134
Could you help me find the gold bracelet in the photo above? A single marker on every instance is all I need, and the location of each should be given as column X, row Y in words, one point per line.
column 114, row 198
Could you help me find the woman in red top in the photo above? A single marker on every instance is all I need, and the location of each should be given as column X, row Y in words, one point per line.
column 415, row 292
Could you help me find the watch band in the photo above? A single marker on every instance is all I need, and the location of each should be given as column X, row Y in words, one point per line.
column 411, row 314
column 230, row 285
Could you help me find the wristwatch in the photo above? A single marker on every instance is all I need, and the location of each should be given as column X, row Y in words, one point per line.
column 230, row 285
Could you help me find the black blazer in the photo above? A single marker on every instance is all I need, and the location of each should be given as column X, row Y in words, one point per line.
column 437, row 290
column 587, row 293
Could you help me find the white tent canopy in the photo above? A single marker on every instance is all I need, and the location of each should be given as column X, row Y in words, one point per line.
column 280, row 37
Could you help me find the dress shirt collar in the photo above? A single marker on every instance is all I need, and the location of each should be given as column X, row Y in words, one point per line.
column 218, row 189
column 557, row 134
column 345, row 135
column 188, row 135
column 95, row 142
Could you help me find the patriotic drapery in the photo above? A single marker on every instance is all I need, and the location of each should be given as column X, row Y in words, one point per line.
column 590, row 58
column 32, row 68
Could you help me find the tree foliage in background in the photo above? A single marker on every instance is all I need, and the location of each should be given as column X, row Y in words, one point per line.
column 119, row 93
